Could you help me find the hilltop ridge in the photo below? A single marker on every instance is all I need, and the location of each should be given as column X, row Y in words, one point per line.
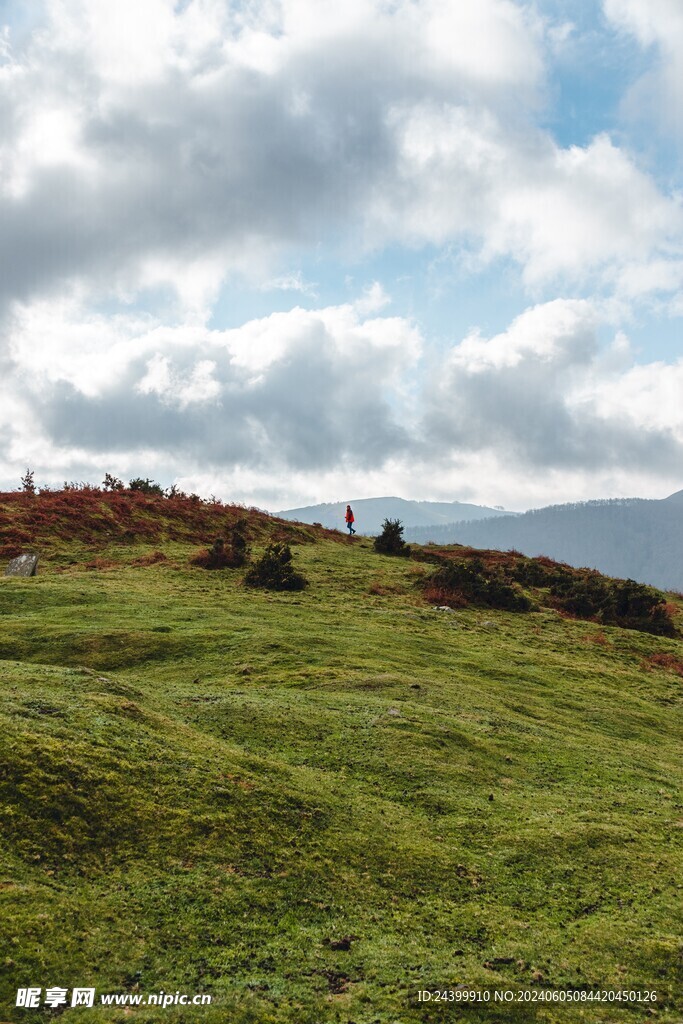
column 371, row 512
column 94, row 518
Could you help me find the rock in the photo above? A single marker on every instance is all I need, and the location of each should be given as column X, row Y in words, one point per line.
column 489, row 624
column 24, row 565
column 394, row 711
column 444, row 608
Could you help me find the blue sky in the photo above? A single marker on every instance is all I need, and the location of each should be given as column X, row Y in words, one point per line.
column 292, row 251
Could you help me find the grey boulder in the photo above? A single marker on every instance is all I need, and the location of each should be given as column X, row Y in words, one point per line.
column 24, row 565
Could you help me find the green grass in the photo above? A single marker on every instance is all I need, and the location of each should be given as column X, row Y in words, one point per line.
column 204, row 786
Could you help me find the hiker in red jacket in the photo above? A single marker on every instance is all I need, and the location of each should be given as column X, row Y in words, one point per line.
column 350, row 519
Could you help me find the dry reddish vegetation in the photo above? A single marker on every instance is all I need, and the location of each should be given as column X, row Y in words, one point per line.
column 598, row 638
column 664, row 660
column 101, row 563
column 95, row 517
column 443, row 596
column 380, row 589
column 152, row 559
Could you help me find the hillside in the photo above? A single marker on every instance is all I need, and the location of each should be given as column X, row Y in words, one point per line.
column 89, row 518
column 632, row 538
column 370, row 513
column 314, row 805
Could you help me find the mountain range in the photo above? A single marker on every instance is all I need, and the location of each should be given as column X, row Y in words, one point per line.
column 370, row 513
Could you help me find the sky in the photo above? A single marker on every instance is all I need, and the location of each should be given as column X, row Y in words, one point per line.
column 293, row 251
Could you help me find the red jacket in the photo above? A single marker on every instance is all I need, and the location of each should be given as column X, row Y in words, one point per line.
column 349, row 516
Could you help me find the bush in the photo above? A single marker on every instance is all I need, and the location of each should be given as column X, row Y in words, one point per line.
column 274, row 570
column 637, row 606
column 27, row 483
column 489, row 578
column 239, row 548
column 614, row 602
column 112, row 483
column 214, row 557
column 530, row 573
column 390, row 541
column 146, row 486
column 470, row 581
column 225, row 556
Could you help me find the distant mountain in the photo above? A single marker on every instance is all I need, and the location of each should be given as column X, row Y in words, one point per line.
column 370, row 513
column 628, row 538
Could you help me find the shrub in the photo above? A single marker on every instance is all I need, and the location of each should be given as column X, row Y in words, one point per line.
column 586, row 597
column 112, row 483
column 530, row 573
column 174, row 492
column 638, row 606
column 27, row 483
column 274, row 570
column 239, row 548
column 390, row 541
column 215, row 557
column 493, row 579
column 470, row 581
column 146, row 486
column 226, row 556
column 617, row 602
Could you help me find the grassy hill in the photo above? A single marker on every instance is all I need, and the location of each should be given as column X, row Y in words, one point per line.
column 313, row 805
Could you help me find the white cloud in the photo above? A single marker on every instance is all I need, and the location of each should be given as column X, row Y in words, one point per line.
column 651, row 394
column 542, row 394
column 305, row 388
column 309, row 404
column 651, row 21
column 290, row 283
column 150, row 143
column 658, row 95
column 562, row 213
column 557, row 332
column 195, row 385
column 373, row 299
